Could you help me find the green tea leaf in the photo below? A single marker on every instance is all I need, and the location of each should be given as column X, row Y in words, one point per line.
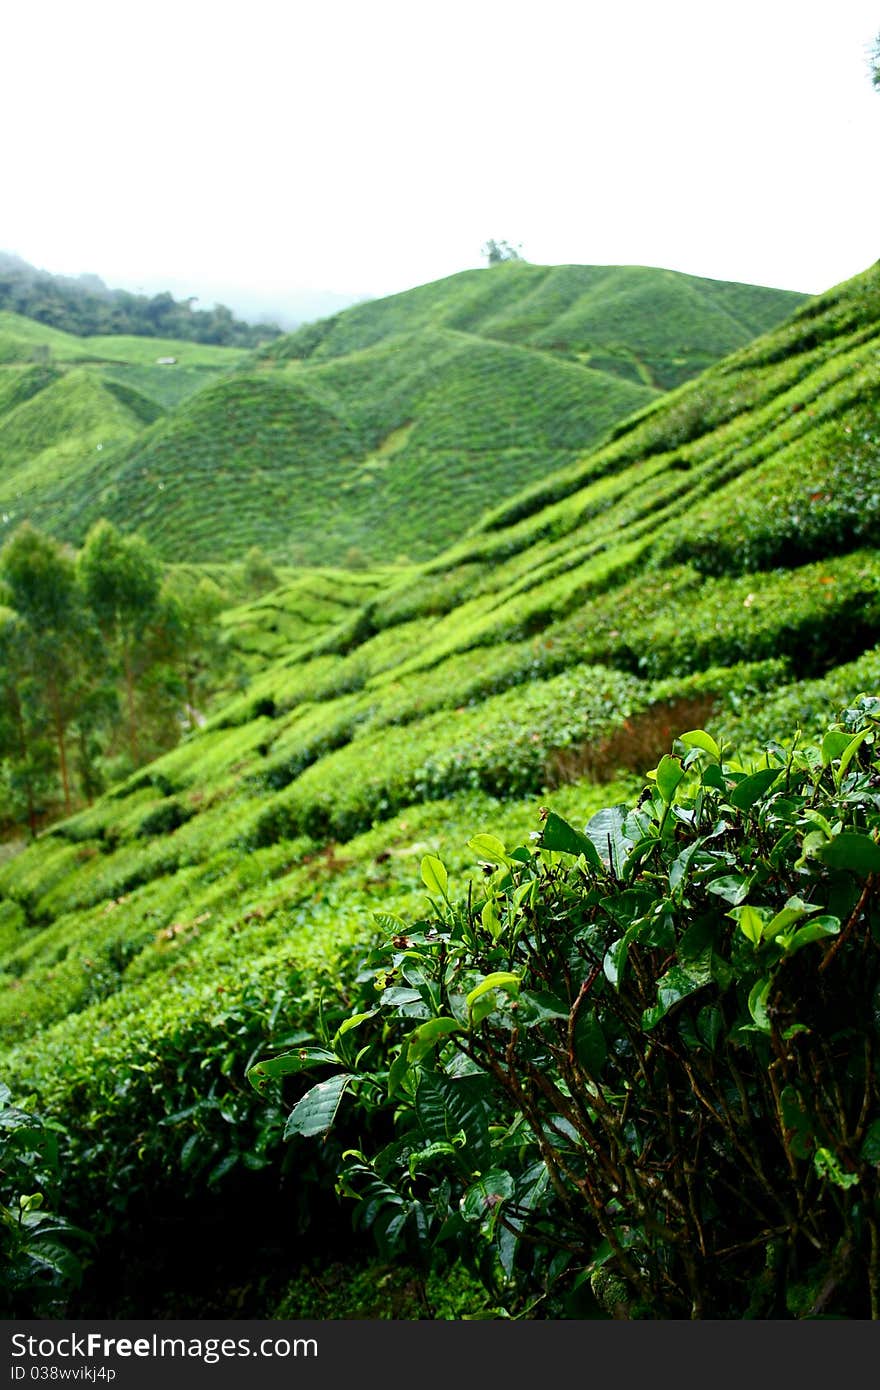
column 828, row 1165
column 354, row 1022
column 672, row 987
column 606, row 830
column 794, row 910
column 483, row 1197
column 850, row 751
column 539, row 1007
column 288, row 1064
column 752, row 921
column 315, row 1113
column 490, row 919
column 590, row 1046
column 710, row 1025
column 668, row 774
column 499, row 979
column 434, row 875
column 442, row 1148
column 397, row 1072
column 796, row 1120
column 390, row 923
column 816, row 818
column 698, row 738
column 562, row 838
column 491, row 848
column 744, row 795
column 849, row 850
column 733, row 888
column 817, row 930
column 714, row 777
column 834, row 743
column 429, row 1034
column 758, row 1004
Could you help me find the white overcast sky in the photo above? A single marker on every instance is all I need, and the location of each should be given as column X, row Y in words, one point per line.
column 271, row 146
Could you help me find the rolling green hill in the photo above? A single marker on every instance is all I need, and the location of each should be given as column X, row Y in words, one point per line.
column 65, row 399
column 386, row 431
column 714, row 564
column 654, row 327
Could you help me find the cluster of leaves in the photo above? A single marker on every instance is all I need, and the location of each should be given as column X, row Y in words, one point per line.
column 643, row 1060
column 80, row 637
column 41, row 1250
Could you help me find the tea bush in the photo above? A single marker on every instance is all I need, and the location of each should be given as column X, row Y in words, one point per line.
column 641, row 1063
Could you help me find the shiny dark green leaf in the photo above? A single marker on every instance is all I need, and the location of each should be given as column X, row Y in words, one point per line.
column 315, row 1113
column 744, row 795
column 562, row 838
column 859, row 854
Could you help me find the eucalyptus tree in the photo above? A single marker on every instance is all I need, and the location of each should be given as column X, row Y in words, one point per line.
column 193, row 638
column 26, row 763
column 52, row 645
column 121, row 580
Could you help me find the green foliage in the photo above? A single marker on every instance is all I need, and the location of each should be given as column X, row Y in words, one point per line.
column 73, row 627
column 498, row 251
column 209, row 913
column 259, row 572
column 41, row 1250
column 646, row 1047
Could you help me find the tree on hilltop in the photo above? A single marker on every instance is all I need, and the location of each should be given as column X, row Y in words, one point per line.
column 497, row 251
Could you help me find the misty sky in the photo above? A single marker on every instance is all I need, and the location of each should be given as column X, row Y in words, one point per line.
column 251, row 152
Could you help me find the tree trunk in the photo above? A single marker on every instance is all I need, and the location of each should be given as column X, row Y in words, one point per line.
column 22, row 738
column 132, row 721
column 59, row 740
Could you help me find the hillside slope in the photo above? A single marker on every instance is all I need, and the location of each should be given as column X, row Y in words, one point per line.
column 715, row 565
column 383, row 432
column 65, row 399
column 656, row 327
column 384, row 453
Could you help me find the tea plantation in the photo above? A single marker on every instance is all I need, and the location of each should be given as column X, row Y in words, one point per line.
column 516, row 916
column 381, row 434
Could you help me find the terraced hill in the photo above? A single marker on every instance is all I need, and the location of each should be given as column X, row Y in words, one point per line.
column 64, row 399
column 714, row 564
column 653, row 327
column 385, row 431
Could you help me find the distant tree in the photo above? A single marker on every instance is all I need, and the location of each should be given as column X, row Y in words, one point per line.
column 121, row 579
column 56, row 647
column 192, row 635
column 85, row 305
column 355, row 559
column 26, row 759
column 875, row 63
column 496, row 251
column 259, row 572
